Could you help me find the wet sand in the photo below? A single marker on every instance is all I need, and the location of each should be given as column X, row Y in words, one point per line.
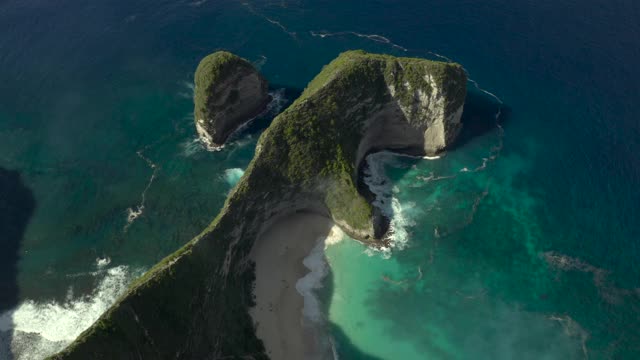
column 278, row 254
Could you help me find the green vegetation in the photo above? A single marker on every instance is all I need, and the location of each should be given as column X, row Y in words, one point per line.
column 220, row 107
column 318, row 136
column 211, row 70
column 193, row 304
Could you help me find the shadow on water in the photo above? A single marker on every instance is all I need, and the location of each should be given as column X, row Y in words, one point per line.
column 395, row 303
column 478, row 117
column 17, row 205
column 343, row 346
column 480, row 294
column 270, row 243
column 257, row 126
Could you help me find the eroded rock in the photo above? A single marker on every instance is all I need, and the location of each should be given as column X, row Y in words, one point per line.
column 229, row 92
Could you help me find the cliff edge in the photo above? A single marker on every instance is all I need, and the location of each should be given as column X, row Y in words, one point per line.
column 228, row 92
column 194, row 304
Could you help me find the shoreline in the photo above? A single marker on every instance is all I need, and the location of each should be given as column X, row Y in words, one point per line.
column 280, row 273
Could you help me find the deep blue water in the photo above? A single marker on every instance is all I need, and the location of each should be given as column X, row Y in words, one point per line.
column 93, row 94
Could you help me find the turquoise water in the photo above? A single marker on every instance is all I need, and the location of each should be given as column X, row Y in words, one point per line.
column 531, row 253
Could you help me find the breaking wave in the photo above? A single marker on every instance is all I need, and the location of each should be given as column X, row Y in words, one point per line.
column 232, row 176
column 35, row 330
column 390, row 206
column 335, row 236
column 195, row 145
column 313, row 316
column 101, row 262
column 307, row 285
column 274, row 107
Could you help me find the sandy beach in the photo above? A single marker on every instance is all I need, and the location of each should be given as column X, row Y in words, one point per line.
column 279, row 254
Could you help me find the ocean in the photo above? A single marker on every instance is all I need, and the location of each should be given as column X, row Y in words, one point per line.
column 523, row 241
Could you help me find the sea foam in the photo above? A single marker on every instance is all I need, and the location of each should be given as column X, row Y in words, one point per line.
column 385, row 199
column 307, row 285
column 318, row 270
column 35, row 330
column 335, row 236
column 101, row 262
column 313, row 317
column 232, row 176
column 134, row 213
column 195, row 145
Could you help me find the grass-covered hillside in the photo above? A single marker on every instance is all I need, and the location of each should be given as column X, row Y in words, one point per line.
column 193, row 305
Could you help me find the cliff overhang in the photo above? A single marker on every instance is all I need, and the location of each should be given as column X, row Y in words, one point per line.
column 194, row 303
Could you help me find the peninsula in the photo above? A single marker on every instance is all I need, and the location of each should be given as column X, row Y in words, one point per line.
column 195, row 303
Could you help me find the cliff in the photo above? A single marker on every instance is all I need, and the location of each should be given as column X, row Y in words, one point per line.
column 229, row 91
column 193, row 304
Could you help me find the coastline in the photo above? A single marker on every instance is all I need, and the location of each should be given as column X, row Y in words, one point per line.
column 280, row 274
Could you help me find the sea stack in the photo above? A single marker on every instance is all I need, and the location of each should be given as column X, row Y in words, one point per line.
column 195, row 303
column 229, row 91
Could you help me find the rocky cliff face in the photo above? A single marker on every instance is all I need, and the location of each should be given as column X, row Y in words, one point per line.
column 193, row 305
column 229, row 91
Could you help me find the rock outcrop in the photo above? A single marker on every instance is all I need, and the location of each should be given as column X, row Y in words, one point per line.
column 194, row 304
column 229, row 91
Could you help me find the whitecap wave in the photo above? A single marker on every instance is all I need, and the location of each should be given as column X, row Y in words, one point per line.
column 436, row 157
column 335, row 236
column 103, row 261
column 398, row 213
column 232, row 176
column 400, row 224
column 35, row 330
column 273, row 108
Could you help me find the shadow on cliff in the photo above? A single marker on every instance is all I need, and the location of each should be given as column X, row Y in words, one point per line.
column 307, row 222
column 478, row 117
column 17, row 205
column 284, row 97
column 392, row 302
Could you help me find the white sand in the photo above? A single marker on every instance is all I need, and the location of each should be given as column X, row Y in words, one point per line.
column 278, row 314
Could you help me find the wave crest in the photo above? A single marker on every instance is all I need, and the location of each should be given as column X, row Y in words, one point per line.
column 35, row 330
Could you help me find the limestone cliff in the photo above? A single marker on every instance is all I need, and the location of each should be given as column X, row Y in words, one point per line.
column 229, row 91
column 193, row 305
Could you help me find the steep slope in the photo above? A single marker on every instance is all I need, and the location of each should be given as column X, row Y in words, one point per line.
column 229, row 91
column 193, row 305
